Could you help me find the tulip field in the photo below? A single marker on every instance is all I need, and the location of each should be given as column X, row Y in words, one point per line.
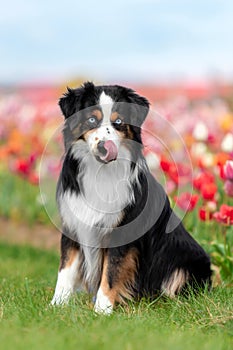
column 188, row 145
column 194, row 162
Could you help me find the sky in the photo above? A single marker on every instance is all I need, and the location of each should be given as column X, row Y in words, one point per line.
column 123, row 40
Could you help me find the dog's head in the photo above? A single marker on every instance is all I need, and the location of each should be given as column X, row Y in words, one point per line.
column 105, row 117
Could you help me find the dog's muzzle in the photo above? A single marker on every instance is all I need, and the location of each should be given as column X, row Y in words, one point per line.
column 107, row 151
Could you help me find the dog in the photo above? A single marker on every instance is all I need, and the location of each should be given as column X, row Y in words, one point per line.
column 120, row 238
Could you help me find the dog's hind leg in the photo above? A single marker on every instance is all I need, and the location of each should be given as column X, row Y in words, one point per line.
column 69, row 276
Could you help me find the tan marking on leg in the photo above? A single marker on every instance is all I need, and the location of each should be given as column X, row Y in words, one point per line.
column 69, row 277
column 110, row 293
column 127, row 273
column 122, row 287
column 71, row 257
column 174, row 284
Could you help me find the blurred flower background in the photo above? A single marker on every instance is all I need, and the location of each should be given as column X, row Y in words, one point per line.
column 176, row 53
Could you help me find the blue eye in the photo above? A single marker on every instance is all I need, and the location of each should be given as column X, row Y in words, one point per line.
column 92, row 120
column 118, row 121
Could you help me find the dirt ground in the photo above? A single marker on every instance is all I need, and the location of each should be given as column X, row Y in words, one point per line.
column 37, row 235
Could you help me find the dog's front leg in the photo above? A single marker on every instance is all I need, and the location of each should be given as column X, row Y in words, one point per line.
column 68, row 280
column 118, row 279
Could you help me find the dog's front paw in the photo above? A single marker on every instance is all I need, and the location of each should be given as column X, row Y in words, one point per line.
column 103, row 309
column 103, row 304
column 61, row 297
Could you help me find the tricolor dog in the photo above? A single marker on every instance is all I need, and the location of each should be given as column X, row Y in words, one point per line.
column 120, row 239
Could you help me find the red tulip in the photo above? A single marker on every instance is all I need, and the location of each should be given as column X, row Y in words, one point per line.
column 165, row 164
column 224, row 215
column 208, row 191
column 173, row 173
column 203, row 178
column 22, row 167
column 25, row 167
column 204, row 214
column 221, row 172
column 178, row 172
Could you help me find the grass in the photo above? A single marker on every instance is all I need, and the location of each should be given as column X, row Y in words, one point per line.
column 28, row 277
column 15, row 195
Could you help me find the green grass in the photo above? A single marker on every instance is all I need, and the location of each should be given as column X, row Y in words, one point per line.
column 27, row 321
column 28, row 277
column 20, row 200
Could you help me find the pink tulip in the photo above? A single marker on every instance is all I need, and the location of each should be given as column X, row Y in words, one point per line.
column 186, row 201
column 228, row 170
column 228, row 188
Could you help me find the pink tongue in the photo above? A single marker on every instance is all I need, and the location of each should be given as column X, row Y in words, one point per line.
column 111, row 149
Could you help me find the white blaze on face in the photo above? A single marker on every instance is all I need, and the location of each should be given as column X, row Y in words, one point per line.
column 106, row 104
column 105, row 131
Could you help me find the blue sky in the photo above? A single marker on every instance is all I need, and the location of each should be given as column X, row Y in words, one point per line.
column 124, row 40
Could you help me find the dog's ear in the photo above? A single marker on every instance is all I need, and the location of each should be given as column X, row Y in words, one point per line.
column 69, row 102
column 141, row 105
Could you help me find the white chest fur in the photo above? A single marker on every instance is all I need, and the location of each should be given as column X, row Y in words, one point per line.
column 105, row 190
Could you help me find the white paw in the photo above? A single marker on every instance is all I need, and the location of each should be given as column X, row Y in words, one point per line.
column 66, row 285
column 103, row 304
column 61, row 297
column 103, row 309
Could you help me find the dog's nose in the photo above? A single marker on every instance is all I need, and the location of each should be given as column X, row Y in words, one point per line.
column 107, row 150
column 100, row 147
